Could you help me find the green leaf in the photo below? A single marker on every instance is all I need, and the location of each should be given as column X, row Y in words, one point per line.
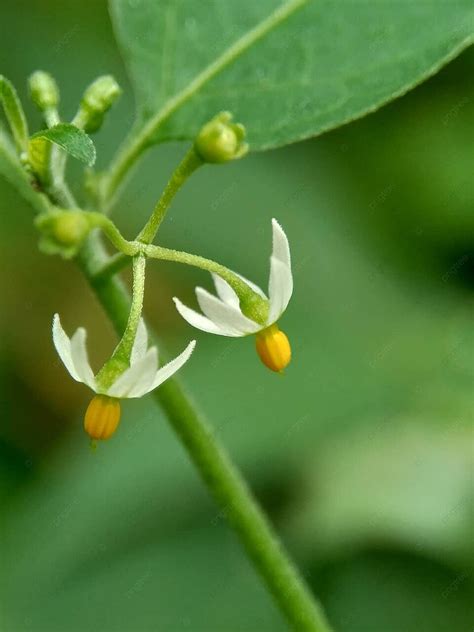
column 70, row 138
column 14, row 113
column 287, row 71
column 362, row 490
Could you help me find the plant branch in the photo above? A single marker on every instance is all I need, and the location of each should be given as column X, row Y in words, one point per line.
column 256, row 305
column 216, row 469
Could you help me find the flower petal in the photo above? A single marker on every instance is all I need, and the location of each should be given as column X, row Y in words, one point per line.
column 80, row 358
column 63, row 347
column 137, row 378
column 170, row 368
column 281, row 247
column 225, row 291
column 280, row 286
column 197, row 320
column 228, row 318
column 140, row 344
column 280, row 289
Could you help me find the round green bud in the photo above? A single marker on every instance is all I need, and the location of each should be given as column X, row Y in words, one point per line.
column 220, row 140
column 62, row 231
column 96, row 101
column 70, row 228
column 44, row 90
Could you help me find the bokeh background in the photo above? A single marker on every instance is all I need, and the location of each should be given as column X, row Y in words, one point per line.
column 361, row 454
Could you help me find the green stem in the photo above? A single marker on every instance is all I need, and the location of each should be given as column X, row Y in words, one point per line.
column 253, row 305
column 120, row 260
column 139, row 140
column 56, row 186
column 60, row 194
column 114, row 264
column 57, row 158
column 51, row 116
column 218, row 472
column 120, row 358
column 127, row 248
column 178, row 256
column 124, row 348
column 187, row 167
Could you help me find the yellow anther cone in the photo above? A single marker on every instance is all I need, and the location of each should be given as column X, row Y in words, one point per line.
column 102, row 417
column 274, row 348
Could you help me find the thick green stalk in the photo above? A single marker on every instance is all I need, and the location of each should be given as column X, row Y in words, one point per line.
column 216, row 469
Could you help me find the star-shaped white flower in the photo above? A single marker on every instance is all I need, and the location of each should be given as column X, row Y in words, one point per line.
column 140, row 378
column 222, row 314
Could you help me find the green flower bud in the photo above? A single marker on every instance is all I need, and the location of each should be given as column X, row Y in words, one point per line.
column 62, row 231
column 96, row 101
column 44, row 90
column 220, row 140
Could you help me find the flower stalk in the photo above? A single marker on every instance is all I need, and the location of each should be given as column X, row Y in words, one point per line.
column 254, row 305
column 120, row 358
column 185, row 169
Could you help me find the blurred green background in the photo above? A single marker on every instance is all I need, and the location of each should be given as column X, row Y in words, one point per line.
column 361, row 454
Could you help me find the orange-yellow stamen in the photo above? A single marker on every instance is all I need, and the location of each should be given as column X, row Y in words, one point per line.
column 274, row 348
column 102, row 417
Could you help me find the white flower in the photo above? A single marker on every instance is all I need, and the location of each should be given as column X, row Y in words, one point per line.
column 223, row 315
column 140, row 378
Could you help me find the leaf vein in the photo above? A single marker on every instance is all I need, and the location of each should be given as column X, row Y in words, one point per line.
column 134, row 147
